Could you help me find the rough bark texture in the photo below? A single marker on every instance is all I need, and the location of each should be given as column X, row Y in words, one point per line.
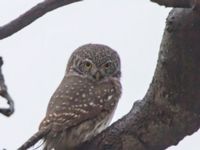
column 170, row 109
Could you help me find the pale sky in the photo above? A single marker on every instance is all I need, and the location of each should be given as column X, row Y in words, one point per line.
column 35, row 58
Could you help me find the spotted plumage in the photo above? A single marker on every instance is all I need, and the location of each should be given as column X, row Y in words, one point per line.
column 84, row 103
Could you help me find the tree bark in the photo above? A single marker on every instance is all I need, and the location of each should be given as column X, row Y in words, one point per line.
column 170, row 109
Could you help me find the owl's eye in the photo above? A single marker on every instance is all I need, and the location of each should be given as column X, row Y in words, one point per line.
column 88, row 64
column 85, row 66
column 107, row 65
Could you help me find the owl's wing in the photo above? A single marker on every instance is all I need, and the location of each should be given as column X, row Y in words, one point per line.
column 65, row 117
column 66, row 120
column 74, row 102
column 77, row 114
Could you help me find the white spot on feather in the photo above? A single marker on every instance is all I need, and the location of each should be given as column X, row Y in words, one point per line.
column 83, row 95
column 109, row 97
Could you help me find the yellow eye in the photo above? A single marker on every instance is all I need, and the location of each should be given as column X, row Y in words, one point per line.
column 88, row 65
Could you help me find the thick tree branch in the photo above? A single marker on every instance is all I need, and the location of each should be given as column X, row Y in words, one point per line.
column 170, row 109
column 4, row 93
column 178, row 3
column 31, row 15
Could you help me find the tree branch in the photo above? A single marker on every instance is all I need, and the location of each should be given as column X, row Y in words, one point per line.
column 31, row 15
column 170, row 109
column 178, row 3
column 4, row 93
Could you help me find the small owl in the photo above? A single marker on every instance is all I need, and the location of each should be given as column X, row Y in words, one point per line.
column 84, row 103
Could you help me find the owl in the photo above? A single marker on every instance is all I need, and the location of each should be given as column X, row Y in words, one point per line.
column 84, row 103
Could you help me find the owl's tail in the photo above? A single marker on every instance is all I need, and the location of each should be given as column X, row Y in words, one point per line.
column 34, row 139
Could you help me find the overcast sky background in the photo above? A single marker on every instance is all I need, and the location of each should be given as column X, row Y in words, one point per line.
column 35, row 58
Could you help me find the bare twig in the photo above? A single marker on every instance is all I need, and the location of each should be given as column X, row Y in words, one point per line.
column 4, row 93
column 31, row 15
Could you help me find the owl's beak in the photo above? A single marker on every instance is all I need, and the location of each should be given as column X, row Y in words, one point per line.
column 97, row 75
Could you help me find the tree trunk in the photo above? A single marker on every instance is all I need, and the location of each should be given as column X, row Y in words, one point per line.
column 170, row 109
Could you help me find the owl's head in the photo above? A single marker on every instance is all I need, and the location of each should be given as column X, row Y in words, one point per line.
column 95, row 61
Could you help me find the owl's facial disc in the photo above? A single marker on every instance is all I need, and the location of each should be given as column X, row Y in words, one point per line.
column 95, row 68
